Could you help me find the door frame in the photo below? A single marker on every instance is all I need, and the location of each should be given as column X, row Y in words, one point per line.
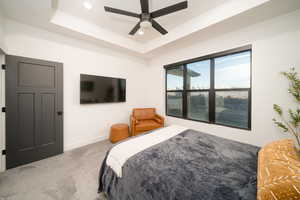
column 2, row 114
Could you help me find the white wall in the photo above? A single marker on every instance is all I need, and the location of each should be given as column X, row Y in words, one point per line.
column 83, row 124
column 276, row 48
column 1, row 32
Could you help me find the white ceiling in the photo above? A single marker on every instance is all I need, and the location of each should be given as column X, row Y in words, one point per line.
column 71, row 18
column 121, row 24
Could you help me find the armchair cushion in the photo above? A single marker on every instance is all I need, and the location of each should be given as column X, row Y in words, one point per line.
column 147, row 125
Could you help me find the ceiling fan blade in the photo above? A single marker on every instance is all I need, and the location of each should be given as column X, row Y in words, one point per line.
column 158, row 27
column 121, row 12
column 145, row 6
column 135, row 29
column 169, row 9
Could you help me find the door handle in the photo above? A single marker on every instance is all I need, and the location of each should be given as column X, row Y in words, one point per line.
column 59, row 112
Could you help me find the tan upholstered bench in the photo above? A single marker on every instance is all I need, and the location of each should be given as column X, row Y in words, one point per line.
column 119, row 132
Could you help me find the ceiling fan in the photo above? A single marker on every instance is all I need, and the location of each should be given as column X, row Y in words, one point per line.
column 147, row 18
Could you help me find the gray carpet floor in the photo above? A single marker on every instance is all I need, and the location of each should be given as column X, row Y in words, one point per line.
column 72, row 175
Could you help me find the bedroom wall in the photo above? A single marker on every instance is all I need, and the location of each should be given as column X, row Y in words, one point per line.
column 83, row 124
column 276, row 48
column 1, row 32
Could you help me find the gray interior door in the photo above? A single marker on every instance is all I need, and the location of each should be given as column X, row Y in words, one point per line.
column 34, row 108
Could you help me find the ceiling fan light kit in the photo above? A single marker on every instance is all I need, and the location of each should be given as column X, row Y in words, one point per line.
column 147, row 18
column 145, row 24
column 141, row 31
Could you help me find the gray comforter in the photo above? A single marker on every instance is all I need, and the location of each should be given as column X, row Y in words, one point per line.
column 191, row 165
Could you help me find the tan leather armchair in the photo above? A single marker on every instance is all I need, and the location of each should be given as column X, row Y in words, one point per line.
column 145, row 119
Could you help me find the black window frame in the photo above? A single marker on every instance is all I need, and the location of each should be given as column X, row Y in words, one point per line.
column 212, row 91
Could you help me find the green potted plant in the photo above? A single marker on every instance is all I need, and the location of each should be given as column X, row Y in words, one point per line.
column 292, row 124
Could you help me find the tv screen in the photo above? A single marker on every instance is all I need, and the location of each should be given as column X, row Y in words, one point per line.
column 99, row 89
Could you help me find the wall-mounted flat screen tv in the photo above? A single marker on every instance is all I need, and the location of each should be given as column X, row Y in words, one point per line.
column 100, row 89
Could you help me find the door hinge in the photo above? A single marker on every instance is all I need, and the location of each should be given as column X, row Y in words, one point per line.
column 3, row 152
column 4, row 67
column 3, row 109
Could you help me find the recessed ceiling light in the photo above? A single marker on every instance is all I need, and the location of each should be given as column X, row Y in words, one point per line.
column 88, row 5
column 141, row 32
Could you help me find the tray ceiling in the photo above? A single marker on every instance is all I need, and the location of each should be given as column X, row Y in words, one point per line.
column 71, row 18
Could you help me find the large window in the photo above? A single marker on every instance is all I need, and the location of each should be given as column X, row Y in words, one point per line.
column 213, row 89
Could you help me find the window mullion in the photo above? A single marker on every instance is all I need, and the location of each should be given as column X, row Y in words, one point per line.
column 212, row 98
column 184, row 93
column 249, row 108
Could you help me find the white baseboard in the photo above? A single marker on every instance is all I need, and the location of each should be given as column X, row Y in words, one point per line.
column 75, row 145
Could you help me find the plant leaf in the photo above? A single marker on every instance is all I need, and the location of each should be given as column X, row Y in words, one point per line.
column 281, row 125
column 278, row 109
column 294, row 88
column 295, row 117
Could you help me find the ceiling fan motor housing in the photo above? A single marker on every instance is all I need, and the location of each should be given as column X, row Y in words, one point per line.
column 145, row 20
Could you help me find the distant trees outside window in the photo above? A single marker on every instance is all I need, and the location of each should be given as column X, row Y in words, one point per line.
column 213, row 89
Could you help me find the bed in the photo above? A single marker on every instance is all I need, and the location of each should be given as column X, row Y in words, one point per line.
column 179, row 163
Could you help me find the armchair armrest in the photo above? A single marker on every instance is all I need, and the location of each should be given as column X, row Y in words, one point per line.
column 133, row 120
column 159, row 119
